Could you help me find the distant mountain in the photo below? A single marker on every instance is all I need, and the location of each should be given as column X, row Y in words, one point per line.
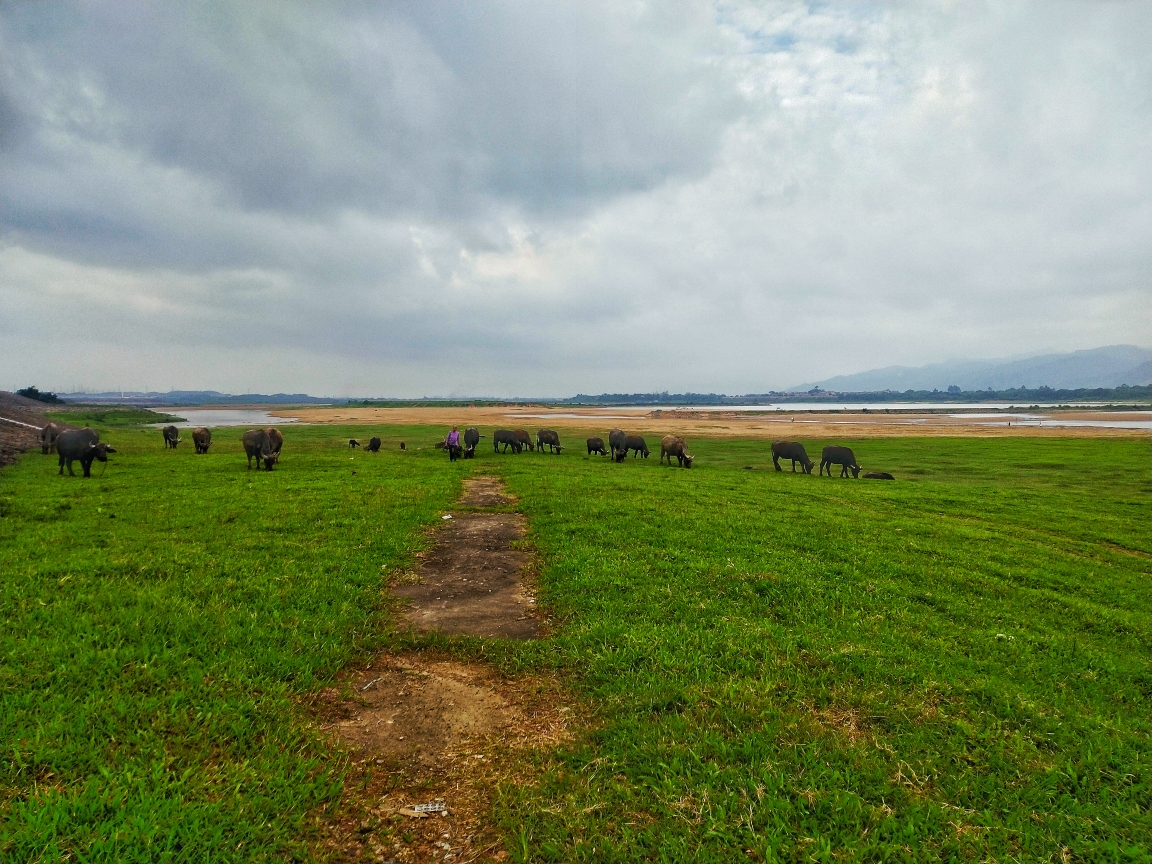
column 1112, row 366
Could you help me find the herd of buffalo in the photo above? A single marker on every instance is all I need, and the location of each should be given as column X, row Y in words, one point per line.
column 264, row 445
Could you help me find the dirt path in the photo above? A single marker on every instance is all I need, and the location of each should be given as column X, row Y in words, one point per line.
column 470, row 583
column 428, row 731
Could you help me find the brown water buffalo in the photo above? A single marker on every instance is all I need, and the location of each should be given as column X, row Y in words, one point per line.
column 673, row 445
column 201, row 439
column 48, row 437
column 353, row 443
column 171, row 437
column 596, row 445
column 257, row 446
column 637, row 445
column 82, row 445
column 878, row 475
column 791, row 450
column 374, row 445
column 524, row 438
column 841, row 456
column 472, row 437
column 618, row 443
column 506, row 437
column 275, row 441
column 549, row 438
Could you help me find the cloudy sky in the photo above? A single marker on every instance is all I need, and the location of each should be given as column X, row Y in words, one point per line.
column 527, row 198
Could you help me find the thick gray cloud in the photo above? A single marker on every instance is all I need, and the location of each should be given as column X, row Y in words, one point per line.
column 530, row 198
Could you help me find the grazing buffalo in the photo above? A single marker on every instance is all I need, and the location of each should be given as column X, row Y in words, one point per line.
column 596, row 445
column 353, row 443
column 524, row 438
column 171, row 437
column 48, row 438
column 673, row 445
column 403, row 446
column 636, row 444
column 275, row 441
column 201, row 439
column 374, row 445
column 258, row 446
column 791, row 450
column 841, row 456
column 878, row 475
column 546, row 437
column 81, row 445
column 618, row 443
column 472, row 437
column 506, row 437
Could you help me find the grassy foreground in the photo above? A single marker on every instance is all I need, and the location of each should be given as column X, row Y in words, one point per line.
column 783, row 667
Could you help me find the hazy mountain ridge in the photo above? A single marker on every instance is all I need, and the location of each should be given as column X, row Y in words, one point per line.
column 1111, row 366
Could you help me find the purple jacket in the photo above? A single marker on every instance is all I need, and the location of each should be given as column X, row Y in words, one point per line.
column 453, row 439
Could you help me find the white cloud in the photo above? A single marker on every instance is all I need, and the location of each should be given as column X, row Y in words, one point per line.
column 506, row 200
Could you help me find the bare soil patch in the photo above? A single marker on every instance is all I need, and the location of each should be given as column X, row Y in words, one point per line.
column 16, row 437
column 485, row 492
column 471, row 582
column 580, row 422
column 426, row 729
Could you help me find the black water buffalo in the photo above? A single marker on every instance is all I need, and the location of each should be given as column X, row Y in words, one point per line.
column 353, row 443
column 201, row 439
column 506, row 437
column 878, row 475
column 48, row 437
column 546, row 437
column 81, row 445
column 171, row 437
column 374, row 445
column 524, row 438
column 618, row 444
column 841, row 456
column 636, row 444
column 257, row 446
column 673, row 445
column 472, row 437
column 403, row 446
column 791, row 450
column 275, row 441
column 596, row 445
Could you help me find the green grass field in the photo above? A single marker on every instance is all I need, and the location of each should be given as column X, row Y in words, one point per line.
column 954, row 666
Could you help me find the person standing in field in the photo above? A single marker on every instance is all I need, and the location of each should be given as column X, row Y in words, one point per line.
column 453, row 442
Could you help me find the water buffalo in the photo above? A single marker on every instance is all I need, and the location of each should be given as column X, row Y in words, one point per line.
column 275, row 441
column 791, row 450
column 472, row 437
column 524, row 438
column 636, row 444
column 841, row 456
column 549, row 438
column 171, row 437
column 257, row 446
column 82, row 445
column 878, row 475
column 596, row 445
column 673, row 445
column 201, row 439
column 506, row 437
column 48, row 438
column 374, row 445
column 618, row 444
column 402, row 445
column 353, row 443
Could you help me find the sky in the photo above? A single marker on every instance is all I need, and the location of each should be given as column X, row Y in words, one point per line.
column 533, row 199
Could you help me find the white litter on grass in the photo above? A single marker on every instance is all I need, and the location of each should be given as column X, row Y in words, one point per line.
column 432, row 807
column 445, row 517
